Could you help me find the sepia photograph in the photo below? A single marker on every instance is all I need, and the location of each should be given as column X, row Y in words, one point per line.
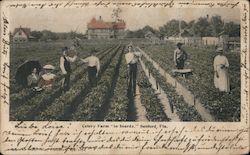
column 112, row 64
column 124, row 77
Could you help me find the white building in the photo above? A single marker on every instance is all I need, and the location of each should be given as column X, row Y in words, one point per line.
column 210, row 41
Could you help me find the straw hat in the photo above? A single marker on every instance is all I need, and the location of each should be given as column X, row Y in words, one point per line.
column 219, row 49
column 72, row 48
column 65, row 49
column 179, row 44
column 49, row 67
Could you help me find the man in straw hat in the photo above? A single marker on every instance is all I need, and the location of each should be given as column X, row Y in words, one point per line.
column 221, row 77
column 65, row 67
column 131, row 60
column 93, row 63
column 180, row 56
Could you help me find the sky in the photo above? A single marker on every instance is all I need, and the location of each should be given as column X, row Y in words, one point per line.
column 65, row 20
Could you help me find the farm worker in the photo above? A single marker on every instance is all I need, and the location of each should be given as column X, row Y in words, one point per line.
column 221, row 77
column 65, row 67
column 131, row 60
column 33, row 78
column 48, row 78
column 93, row 63
column 180, row 56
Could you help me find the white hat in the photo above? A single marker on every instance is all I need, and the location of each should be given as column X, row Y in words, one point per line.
column 72, row 48
column 49, row 67
column 219, row 49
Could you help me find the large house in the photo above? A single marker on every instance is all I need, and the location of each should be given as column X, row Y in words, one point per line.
column 21, row 35
column 99, row 29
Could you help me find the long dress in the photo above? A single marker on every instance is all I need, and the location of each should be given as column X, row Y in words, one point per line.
column 221, row 81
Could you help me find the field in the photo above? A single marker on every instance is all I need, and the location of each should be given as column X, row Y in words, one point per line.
column 108, row 101
column 223, row 106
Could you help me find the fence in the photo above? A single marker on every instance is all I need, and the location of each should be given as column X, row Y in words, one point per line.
column 188, row 96
column 228, row 44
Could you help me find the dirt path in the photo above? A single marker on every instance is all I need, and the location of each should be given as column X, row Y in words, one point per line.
column 140, row 109
column 181, row 90
column 161, row 95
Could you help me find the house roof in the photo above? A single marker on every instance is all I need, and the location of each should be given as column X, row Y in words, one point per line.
column 25, row 30
column 100, row 24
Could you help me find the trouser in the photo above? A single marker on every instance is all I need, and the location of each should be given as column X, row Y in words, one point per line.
column 66, row 81
column 180, row 64
column 132, row 71
column 92, row 75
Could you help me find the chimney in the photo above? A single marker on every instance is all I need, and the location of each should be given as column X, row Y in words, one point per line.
column 100, row 17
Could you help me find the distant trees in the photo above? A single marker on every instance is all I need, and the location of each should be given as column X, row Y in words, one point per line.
column 141, row 32
column 202, row 27
column 46, row 35
column 36, row 34
column 232, row 29
column 217, row 25
column 172, row 27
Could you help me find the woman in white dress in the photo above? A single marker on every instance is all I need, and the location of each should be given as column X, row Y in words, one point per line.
column 221, row 77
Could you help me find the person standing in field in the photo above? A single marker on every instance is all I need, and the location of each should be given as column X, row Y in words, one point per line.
column 65, row 67
column 221, row 77
column 93, row 63
column 180, row 56
column 131, row 60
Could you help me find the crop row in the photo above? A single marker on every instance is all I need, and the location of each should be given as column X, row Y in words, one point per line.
column 45, row 55
column 61, row 105
column 29, row 109
column 224, row 106
column 94, row 102
column 43, row 98
column 118, row 109
column 149, row 99
column 184, row 111
column 27, row 94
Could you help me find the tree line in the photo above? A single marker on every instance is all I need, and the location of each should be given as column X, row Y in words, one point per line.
column 46, row 35
column 202, row 27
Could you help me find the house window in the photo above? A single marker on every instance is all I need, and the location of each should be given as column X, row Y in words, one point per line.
column 19, row 33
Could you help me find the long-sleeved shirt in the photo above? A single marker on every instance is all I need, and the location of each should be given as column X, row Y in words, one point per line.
column 32, row 79
column 70, row 59
column 132, row 57
column 221, row 76
column 92, row 61
column 219, row 62
column 48, row 80
column 179, row 55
